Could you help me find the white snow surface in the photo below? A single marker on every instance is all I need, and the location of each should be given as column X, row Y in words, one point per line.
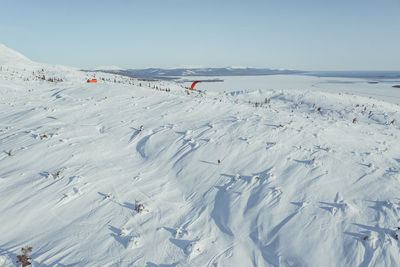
column 134, row 173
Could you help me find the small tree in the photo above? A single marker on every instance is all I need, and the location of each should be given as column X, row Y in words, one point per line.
column 24, row 258
column 139, row 207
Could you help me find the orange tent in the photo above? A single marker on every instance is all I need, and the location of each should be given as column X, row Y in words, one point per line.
column 92, row 81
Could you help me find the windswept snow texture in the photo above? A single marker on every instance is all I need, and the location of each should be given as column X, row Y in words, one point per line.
column 133, row 173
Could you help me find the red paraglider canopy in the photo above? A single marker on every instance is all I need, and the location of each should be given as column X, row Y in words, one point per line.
column 193, row 84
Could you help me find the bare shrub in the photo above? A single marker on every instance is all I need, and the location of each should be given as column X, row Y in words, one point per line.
column 139, row 207
column 24, row 258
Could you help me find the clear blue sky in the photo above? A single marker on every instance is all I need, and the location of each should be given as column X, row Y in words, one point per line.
column 295, row 34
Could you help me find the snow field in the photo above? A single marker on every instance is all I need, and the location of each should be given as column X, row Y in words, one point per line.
column 117, row 174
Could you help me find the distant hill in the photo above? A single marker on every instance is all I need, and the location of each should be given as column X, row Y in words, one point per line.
column 165, row 74
column 158, row 73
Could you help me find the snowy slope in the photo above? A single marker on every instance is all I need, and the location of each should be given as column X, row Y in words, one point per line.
column 12, row 57
column 211, row 179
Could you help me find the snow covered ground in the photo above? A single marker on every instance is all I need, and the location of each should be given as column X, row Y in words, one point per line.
column 135, row 173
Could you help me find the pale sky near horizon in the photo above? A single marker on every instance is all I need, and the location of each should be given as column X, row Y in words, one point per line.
column 290, row 34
